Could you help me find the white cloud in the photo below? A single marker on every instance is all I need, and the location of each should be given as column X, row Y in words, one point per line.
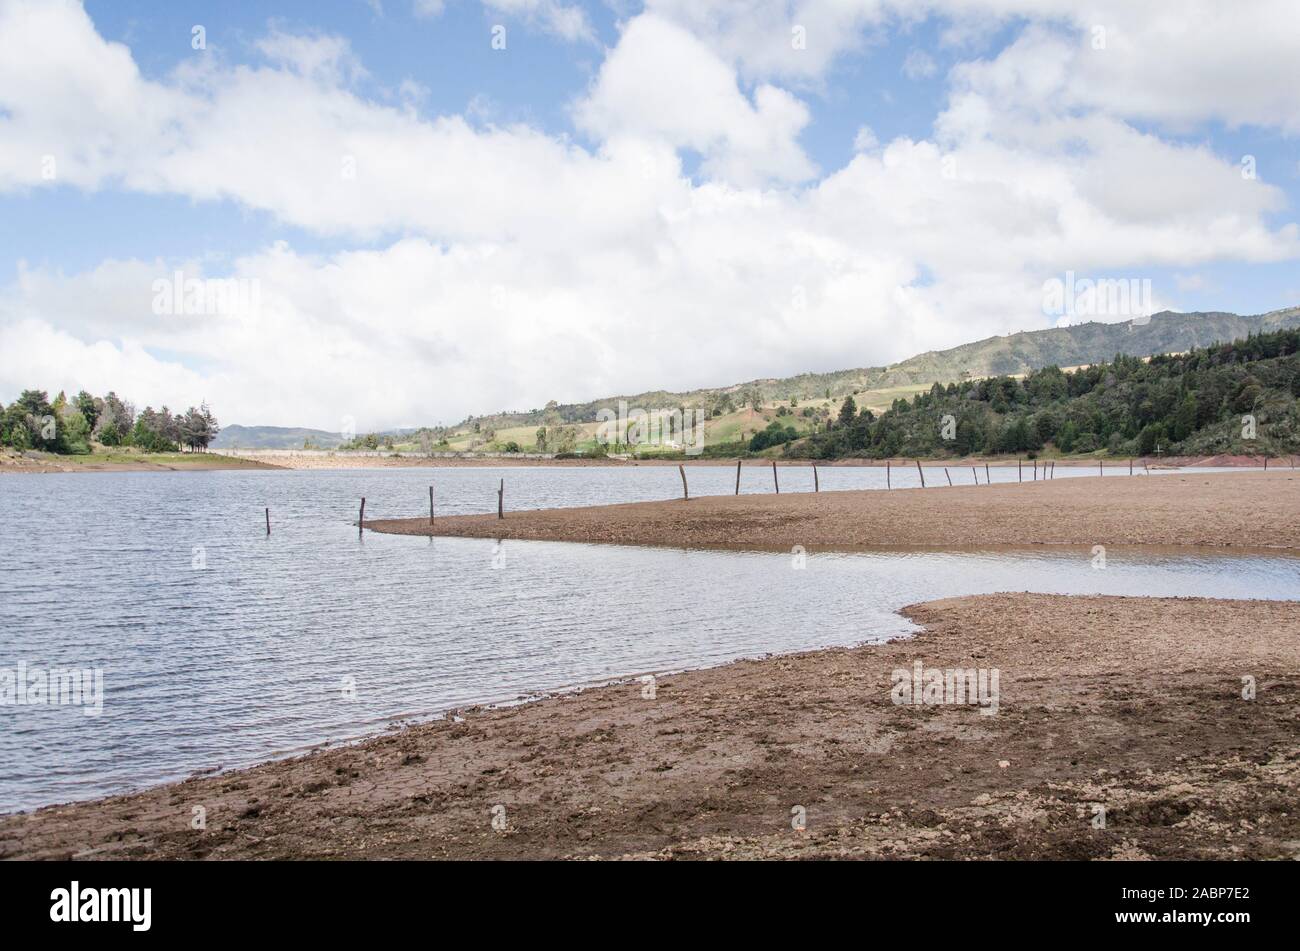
column 325, row 59
column 663, row 82
column 566, row 21
column 511, row 267
column 757, row 37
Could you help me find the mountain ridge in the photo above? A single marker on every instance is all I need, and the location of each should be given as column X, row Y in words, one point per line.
column 1010, row 355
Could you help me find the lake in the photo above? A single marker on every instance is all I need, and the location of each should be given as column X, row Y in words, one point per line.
column 221, row 646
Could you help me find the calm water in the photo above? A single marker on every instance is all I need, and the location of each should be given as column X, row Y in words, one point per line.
column 221, row 646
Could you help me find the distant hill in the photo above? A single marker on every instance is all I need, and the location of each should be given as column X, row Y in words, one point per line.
column 1166, row 332
column 273, row 437
column 1240, row 398
column 1017, row 353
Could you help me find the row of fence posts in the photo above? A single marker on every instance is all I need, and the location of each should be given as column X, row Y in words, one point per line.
column 1049, row 472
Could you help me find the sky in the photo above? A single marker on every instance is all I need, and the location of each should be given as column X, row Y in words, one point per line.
column 401, row 212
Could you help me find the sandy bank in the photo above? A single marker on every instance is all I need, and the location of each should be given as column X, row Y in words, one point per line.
column 330, row 459
column 44, row 462
column 1240, row 510
column 1132, row 704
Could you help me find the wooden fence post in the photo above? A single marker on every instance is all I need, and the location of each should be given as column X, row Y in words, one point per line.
column 686, row 494
column 1020, row 475
column 775, row 482
column 738, row 477
column 920, row 473
column 945, row 472
column 974, row 475
column 430, row 505
column 988, row 480
column 501, row 499
column 816, row 484
column 887, row 482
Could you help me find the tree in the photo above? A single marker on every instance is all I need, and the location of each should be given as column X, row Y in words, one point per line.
column 30, row 422
column 564, row 439
column 76, row 430
column 89, row 407
column 848, row 410
column 1151, row 436
column 115, row 413
column 1185, row 418
column 774, row 435
column 152, row 431
column 210, row 423
column 1066, row 436
column 197, row 428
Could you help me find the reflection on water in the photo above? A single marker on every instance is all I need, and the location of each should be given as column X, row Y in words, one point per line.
column 222, row 646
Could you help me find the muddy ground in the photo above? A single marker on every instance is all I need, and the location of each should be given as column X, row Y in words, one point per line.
column 1243, row 510
column 1131, row 705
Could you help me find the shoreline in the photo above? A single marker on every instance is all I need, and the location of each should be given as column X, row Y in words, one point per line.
column 12, row 462
column 326, row 459
column 1205, row 510
column 1133, row 703
column 45, row 463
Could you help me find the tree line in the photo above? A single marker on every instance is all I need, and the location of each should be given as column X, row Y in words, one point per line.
column 1239, row 397
column 71, row 426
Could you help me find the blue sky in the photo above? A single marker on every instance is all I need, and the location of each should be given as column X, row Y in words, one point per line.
column 625, row 197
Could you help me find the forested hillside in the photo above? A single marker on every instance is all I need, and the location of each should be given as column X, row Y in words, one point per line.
column 1239, row 397
column 1016, row 353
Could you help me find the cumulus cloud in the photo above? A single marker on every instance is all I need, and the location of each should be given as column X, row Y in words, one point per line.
column 689, row 240
column 662, row 81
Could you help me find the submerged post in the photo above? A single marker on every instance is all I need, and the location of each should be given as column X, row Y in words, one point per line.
column 1130, row 465
column 1020, row 475
column 887, row 484
column 361, row 519
column 988, row 480
column 945, row 472
column 920, row 473
column 268, row 521
column 974, row 475
column 1035, row 470
column 501, row 499
column 816, row 485
column 738, row 477
column 686, row 493
column 775, row 482
column 1101, row 467
column 430, row 505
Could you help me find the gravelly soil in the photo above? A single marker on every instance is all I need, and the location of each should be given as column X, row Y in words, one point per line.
column 1238, row 510
column 1134, row 704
